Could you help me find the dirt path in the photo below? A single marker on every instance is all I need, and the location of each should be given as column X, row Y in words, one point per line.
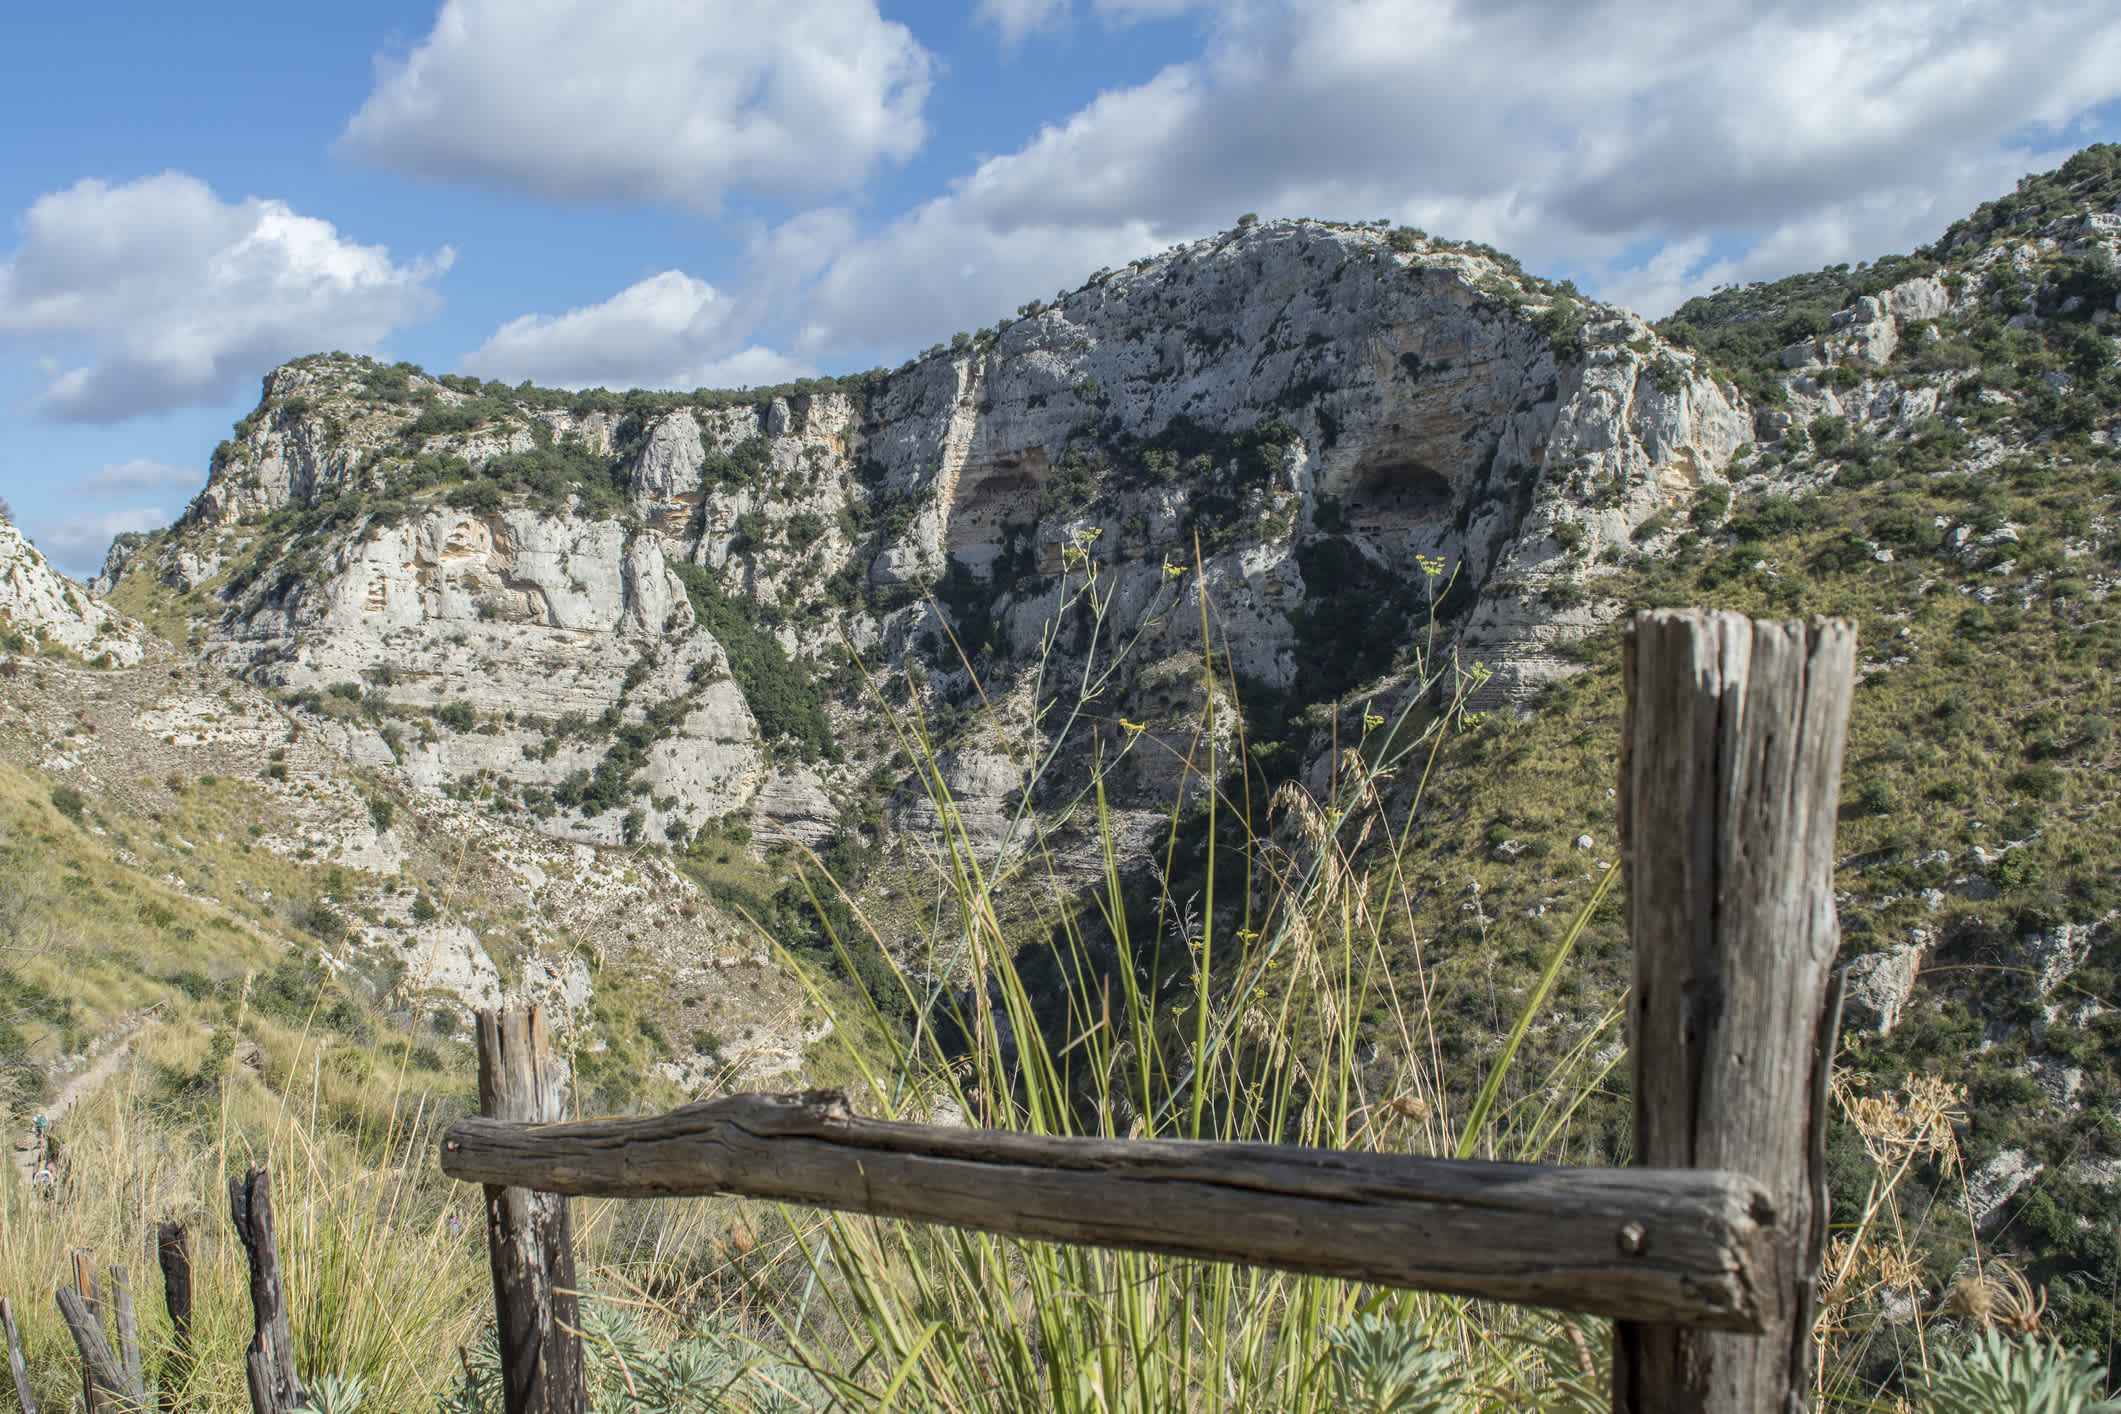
column 77, row 1087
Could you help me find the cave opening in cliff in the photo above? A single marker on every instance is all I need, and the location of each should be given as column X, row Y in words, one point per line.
column 1392, row 496
column 994, row 497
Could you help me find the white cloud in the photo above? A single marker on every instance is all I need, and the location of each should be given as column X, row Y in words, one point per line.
column 1118, row 14
column 174, row 295
column 667, row 331
column 1576, row 134
column 76, row 543
column 1015, row 21
column 134, row 478
column 650, row 100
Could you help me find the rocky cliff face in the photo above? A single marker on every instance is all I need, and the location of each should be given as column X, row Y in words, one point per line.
column 40, row 610
column 616, row 615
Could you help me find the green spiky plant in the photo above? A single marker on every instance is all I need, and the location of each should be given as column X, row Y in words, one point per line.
column 2022, row 1375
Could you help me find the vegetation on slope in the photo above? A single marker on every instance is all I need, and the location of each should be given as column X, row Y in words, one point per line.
column 1347, row 983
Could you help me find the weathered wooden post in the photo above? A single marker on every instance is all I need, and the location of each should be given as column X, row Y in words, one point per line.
column 106, row 1381
column 1730, row 776
column 121, row 1301
column 173, row 1251
column 529, row 1235
column 83, row 1260
column 14, row 1359
column 269, row 1363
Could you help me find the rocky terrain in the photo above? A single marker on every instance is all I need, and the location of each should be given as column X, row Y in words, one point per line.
column 41, row 612
column 625, row 665
column 615, row 614
column 425, row 905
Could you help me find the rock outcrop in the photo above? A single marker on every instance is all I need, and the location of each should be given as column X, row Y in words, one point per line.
column 615, row 614
column 40, row 609
column 1880, row 983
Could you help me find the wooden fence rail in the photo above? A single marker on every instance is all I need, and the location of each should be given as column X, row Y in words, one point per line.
column 1679, row 1245
column 1707, row 1253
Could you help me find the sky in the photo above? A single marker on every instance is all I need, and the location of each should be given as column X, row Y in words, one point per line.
column 686, row 193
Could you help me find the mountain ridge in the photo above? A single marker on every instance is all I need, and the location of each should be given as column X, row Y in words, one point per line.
column 689, row 628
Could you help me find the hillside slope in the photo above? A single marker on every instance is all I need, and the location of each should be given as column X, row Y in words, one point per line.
column 669, row 632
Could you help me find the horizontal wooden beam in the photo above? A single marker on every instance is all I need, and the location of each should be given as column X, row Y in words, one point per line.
column 1684, row 1246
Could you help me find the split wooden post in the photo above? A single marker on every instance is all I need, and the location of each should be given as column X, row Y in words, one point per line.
column 105, row 1376
column 84, row 1265
column 529, row 1235
column 1730, row 775
column 121, row 1303
column 14, row 1358
column 269, row 1363
column 173, row 1251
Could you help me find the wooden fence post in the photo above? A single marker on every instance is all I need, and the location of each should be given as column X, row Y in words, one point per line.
column 1730, row 776
column 83, row 1260
column 529, row 1235
column 14, row 1359
column 121, row 1301
column 173, row 1249
column 270, row 1361
column 106, row 1377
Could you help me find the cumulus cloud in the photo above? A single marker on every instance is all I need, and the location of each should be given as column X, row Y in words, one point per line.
column 667, row 331
column 1649, row 147
column 77, row 543
column 173, row 295
column 138, row 477
column 650, row 100
column 1015, row 21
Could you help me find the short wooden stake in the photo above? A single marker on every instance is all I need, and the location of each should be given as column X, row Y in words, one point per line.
column 270, row 1361
column 84, row 1264
column 1730, row 784
column 529, row 1235
column 121, row 1302
column 173, row 1252
column 104, row 1375
column 14, row 1358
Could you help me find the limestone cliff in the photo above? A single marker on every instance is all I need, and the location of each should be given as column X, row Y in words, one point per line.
column 634, row 617
column 41, row 609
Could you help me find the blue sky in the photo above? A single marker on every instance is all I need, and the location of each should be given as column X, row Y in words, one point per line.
column 680, row 193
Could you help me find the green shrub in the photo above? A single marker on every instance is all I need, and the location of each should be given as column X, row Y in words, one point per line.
column 783, row 697
column 738, row 467
column 2018, row 869
column 68, row 801
column 2039, row 782
column 325, row 923
column 804, row 529
column 1876, row 797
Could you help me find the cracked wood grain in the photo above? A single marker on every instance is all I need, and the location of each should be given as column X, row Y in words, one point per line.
column 1730, row 785
column 1690, row 1246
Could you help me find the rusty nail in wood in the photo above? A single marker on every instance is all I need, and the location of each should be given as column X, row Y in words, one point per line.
column 1633, row 1239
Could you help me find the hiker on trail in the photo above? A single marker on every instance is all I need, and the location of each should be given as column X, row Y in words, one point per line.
column 40, row 1126
column 44, row 1181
